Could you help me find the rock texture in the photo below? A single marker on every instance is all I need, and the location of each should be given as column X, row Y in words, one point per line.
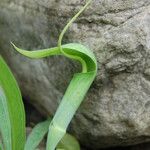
column 116, row 109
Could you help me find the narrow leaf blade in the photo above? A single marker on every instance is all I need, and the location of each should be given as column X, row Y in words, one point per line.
column 5, row 125
column 37, row 134
column 68, row 142
column 14, row 107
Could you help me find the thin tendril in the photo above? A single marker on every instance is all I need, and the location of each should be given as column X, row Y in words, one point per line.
column 84, row 66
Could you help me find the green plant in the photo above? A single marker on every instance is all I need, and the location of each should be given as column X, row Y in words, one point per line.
column 12, row 118
column 73, row 97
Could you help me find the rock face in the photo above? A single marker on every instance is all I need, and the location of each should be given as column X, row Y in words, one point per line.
column 116, row 109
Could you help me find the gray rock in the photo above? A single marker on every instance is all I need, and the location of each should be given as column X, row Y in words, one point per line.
column 145, row 146
column 117, row 107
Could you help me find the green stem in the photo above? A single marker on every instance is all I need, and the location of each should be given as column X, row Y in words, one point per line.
column 84, row 65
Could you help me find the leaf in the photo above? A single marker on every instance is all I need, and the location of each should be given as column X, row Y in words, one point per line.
column 72, row 99
column 75, row 92
column 78, row 86
column 5, row 125
column 12, row 115
column 68, row 142
column 1, row 146
column 37, row 134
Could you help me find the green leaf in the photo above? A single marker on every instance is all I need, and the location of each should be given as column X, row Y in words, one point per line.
column 75, row 92
column 12, row 115
column 37, row 134
column 78, row 86
column 1, row 146
column 5, row 125
column 68, row 142
column 72, row 99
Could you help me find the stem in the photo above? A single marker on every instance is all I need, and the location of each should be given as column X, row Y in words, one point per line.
column 84, row 65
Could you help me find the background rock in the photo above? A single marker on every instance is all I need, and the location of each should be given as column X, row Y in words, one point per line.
column 116, row 109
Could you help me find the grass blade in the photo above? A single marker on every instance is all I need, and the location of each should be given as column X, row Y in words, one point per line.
column 78, row 86
column 37, row 134
column 74, row 94
column 68, row 142
column 11, row 111
column 5, row 125
column 1, row 146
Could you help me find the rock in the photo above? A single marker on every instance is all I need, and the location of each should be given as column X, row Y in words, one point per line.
column 145, row 146
column 117, row 107
column 33, row 117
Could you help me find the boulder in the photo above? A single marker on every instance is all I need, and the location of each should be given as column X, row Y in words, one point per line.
column 116, row 109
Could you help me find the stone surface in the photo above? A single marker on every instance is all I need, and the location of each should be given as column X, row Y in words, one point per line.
column 117, row 107
column 145, row 146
